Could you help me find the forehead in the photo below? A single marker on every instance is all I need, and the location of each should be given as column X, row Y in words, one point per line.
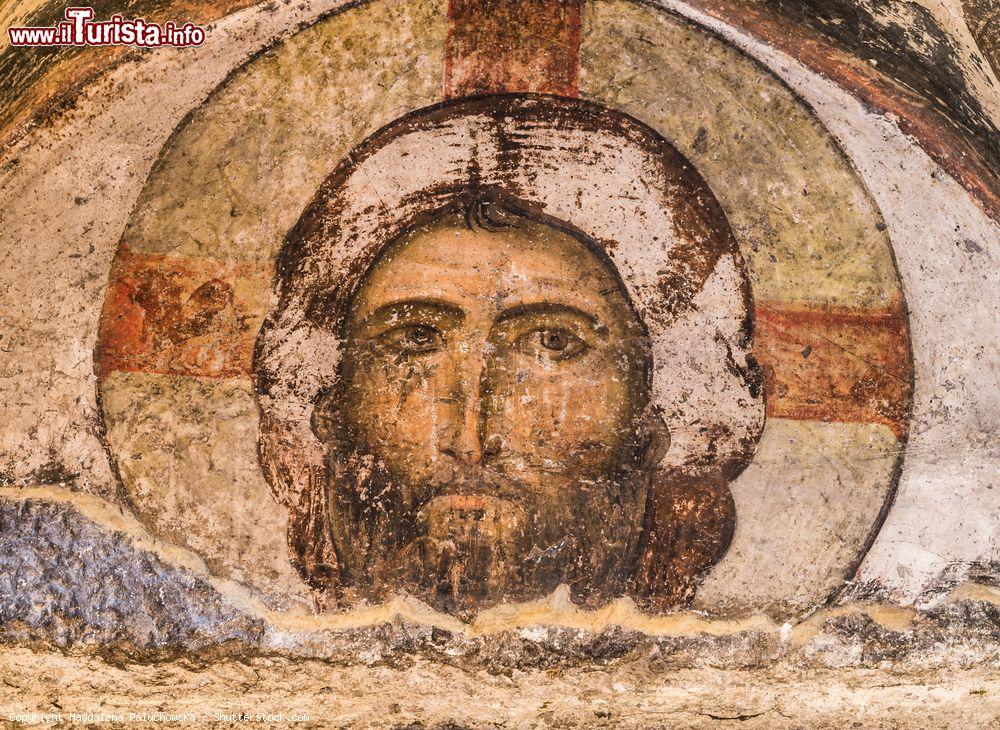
column 525, row 262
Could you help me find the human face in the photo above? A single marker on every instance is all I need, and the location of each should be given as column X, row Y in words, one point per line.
column 499, row 378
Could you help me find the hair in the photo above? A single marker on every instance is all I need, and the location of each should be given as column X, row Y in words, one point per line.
column 486, row 215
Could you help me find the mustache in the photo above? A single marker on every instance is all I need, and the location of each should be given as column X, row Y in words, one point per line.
column 367, row 493
column 455, row 478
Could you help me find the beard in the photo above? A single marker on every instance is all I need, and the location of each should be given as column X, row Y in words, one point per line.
column 476, row 537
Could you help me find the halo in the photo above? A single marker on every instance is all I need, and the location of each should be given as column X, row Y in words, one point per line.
column 189, row 289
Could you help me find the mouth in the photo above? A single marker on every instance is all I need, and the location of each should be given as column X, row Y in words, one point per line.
column 464, row 503
column 466, row 486
column 465, row 516
column 468, row 505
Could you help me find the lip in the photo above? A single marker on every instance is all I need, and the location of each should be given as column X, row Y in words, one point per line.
column 484, row 483
column 464, row 502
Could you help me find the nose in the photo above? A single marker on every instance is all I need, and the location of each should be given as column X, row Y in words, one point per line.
column 466, row 436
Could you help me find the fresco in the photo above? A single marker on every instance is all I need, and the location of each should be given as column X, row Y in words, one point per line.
column 636, row 462
column 460, row 363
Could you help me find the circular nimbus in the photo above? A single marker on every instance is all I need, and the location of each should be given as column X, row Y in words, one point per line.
column 192, row 279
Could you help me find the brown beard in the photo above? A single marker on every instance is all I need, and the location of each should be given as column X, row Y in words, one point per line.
column 480, row 538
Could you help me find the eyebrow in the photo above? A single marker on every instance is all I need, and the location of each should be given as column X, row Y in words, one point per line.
column 439, row 306
column 523, row 310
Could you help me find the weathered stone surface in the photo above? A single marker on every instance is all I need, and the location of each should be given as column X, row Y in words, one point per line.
column 911, row 42
column 70, row 579
column 427, row 694
column 69, row 582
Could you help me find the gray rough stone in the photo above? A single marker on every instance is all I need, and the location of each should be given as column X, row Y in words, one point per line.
column 66, row 581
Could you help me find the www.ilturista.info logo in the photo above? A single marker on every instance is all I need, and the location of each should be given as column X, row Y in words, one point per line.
column 79, row 30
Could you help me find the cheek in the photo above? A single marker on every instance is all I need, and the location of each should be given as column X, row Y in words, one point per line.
column 399, row 410
column 574, row 413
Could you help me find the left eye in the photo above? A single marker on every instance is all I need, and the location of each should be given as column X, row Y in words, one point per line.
column 557, row 344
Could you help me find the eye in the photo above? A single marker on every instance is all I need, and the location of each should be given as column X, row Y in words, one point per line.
column 552, row 343
column 553, row 340
column 414, row 339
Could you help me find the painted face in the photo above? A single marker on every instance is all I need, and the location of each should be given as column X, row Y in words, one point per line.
column 486, row 439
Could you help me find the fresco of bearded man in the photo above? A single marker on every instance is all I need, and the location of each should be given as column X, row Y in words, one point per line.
column 510, row 350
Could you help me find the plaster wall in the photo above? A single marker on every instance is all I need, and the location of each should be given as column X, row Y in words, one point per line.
column 923, row 599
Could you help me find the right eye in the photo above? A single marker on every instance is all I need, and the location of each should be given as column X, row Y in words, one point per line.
column 414, row 339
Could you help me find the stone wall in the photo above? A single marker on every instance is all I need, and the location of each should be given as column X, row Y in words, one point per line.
column 142, row 542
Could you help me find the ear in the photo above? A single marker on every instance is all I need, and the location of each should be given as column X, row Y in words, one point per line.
column 654, row 439
column 325, row 419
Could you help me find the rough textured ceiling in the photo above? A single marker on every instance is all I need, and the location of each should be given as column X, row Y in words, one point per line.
column 936, row 59
column 924, row 47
